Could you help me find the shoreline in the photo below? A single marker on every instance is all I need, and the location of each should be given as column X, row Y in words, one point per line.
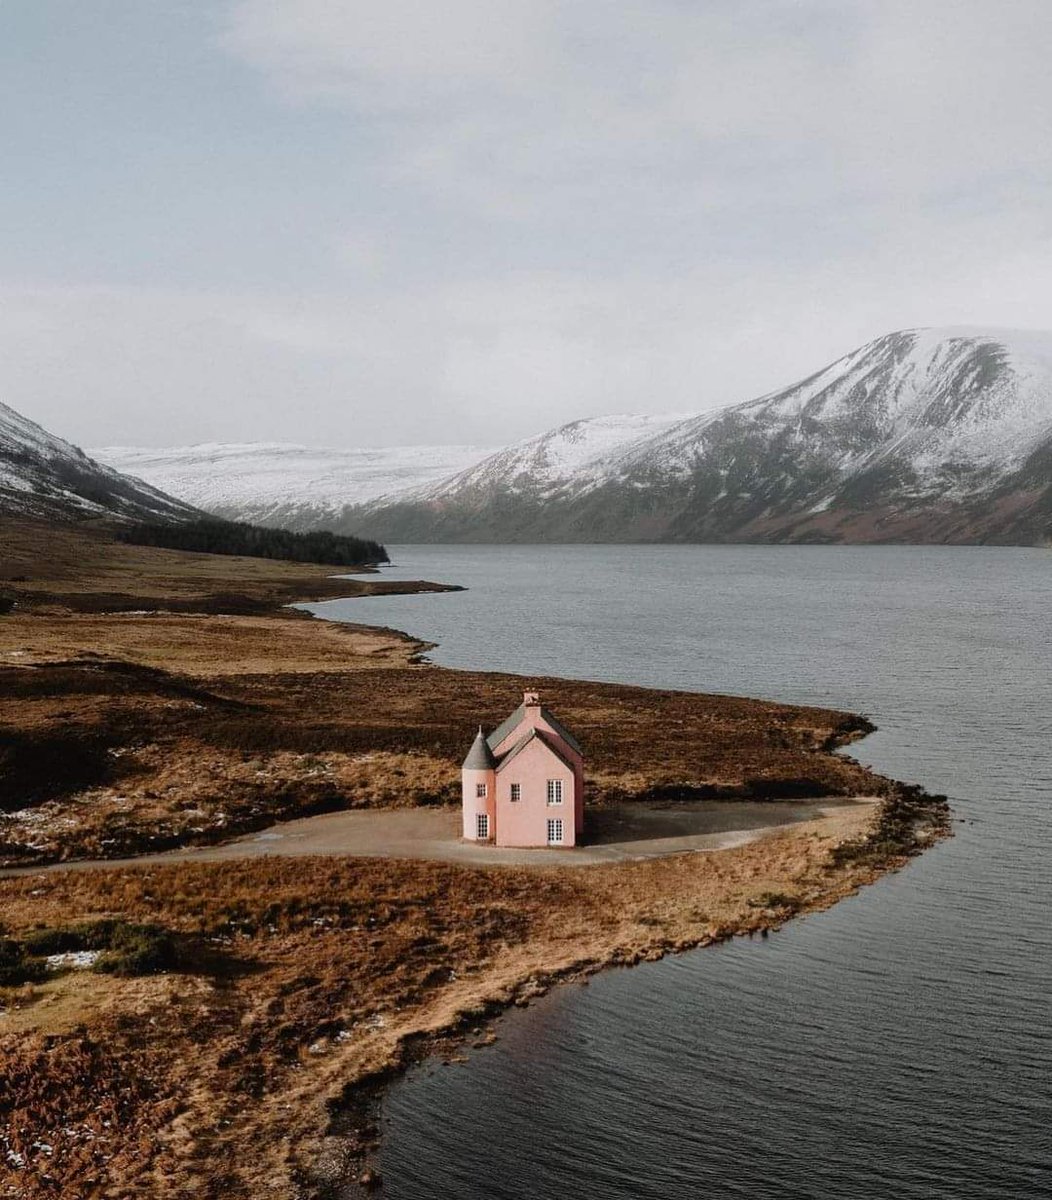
column 347, row 1154
column 313, row 1110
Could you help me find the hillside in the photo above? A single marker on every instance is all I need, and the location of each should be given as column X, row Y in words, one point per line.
column 923, row 435
column 283, row 485
column 43, row 476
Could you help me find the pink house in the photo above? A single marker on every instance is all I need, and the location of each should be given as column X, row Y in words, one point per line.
column 524, row 784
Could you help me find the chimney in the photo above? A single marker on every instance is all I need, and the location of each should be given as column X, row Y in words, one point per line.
column 531, row 700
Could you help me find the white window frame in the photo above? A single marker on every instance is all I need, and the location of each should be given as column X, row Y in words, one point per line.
column 515, row 794
column 482, row 827
column 480, row 791
column 555, row 791
column 555, row 831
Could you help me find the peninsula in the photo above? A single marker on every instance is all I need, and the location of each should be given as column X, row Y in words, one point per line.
column 214, row 951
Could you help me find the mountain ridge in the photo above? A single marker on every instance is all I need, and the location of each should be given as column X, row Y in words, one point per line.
column 926, row 434
column 919, row 435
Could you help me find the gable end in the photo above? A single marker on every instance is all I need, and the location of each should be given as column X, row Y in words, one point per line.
column 538, row 735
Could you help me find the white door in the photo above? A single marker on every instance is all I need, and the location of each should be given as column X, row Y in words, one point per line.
column 482, row 826
column 555, row 832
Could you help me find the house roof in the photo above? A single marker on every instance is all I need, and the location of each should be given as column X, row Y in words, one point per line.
column 516, row 719
column 480, row 756
column 506, row 727
column 541, row 735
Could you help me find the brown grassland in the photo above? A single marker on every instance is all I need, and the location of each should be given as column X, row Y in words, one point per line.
column 150, row 699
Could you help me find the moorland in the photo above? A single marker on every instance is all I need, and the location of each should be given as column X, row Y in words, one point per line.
column 221, row 1029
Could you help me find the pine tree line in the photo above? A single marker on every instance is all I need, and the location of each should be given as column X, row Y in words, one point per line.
column 210, row 535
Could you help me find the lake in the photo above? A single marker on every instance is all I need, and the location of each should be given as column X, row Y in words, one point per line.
column 898, row 1045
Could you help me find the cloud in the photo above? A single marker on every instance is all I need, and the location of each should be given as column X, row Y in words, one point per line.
column 501, row 214
column 519, row 107
column 487, row 359
column 396, row 56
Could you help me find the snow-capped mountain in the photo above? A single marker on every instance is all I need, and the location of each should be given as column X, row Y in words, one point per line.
column 578, row 454
column 926, row 435
column 294, row 487
column 43, row 476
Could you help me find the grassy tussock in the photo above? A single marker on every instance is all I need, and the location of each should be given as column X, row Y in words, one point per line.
column 125, row 948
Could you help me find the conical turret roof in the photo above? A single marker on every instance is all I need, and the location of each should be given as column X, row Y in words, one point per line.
column 480, row 756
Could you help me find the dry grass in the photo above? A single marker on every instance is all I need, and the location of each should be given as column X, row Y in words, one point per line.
column 203, row 646
column 194, row 794
column 81, row 567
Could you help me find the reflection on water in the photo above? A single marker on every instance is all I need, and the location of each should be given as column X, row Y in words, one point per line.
column 899, row 1044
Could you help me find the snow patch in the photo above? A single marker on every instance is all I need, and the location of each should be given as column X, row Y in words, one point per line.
column 269, row 480
column 77, row 960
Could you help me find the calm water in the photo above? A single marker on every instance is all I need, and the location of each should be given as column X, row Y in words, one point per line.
column 899, row 1045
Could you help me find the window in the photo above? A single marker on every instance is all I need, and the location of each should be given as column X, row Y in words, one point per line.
column 480, row 791
column 555, row 791
column 516, row 792
column 482, row 826
column 555, row 832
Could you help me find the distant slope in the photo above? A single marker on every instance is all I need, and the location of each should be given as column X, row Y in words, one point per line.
column 43, row 476
column 925, row 435
column 287, row 486
column 581, row 453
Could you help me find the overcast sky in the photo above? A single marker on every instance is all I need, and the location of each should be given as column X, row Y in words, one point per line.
column 351, row 223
